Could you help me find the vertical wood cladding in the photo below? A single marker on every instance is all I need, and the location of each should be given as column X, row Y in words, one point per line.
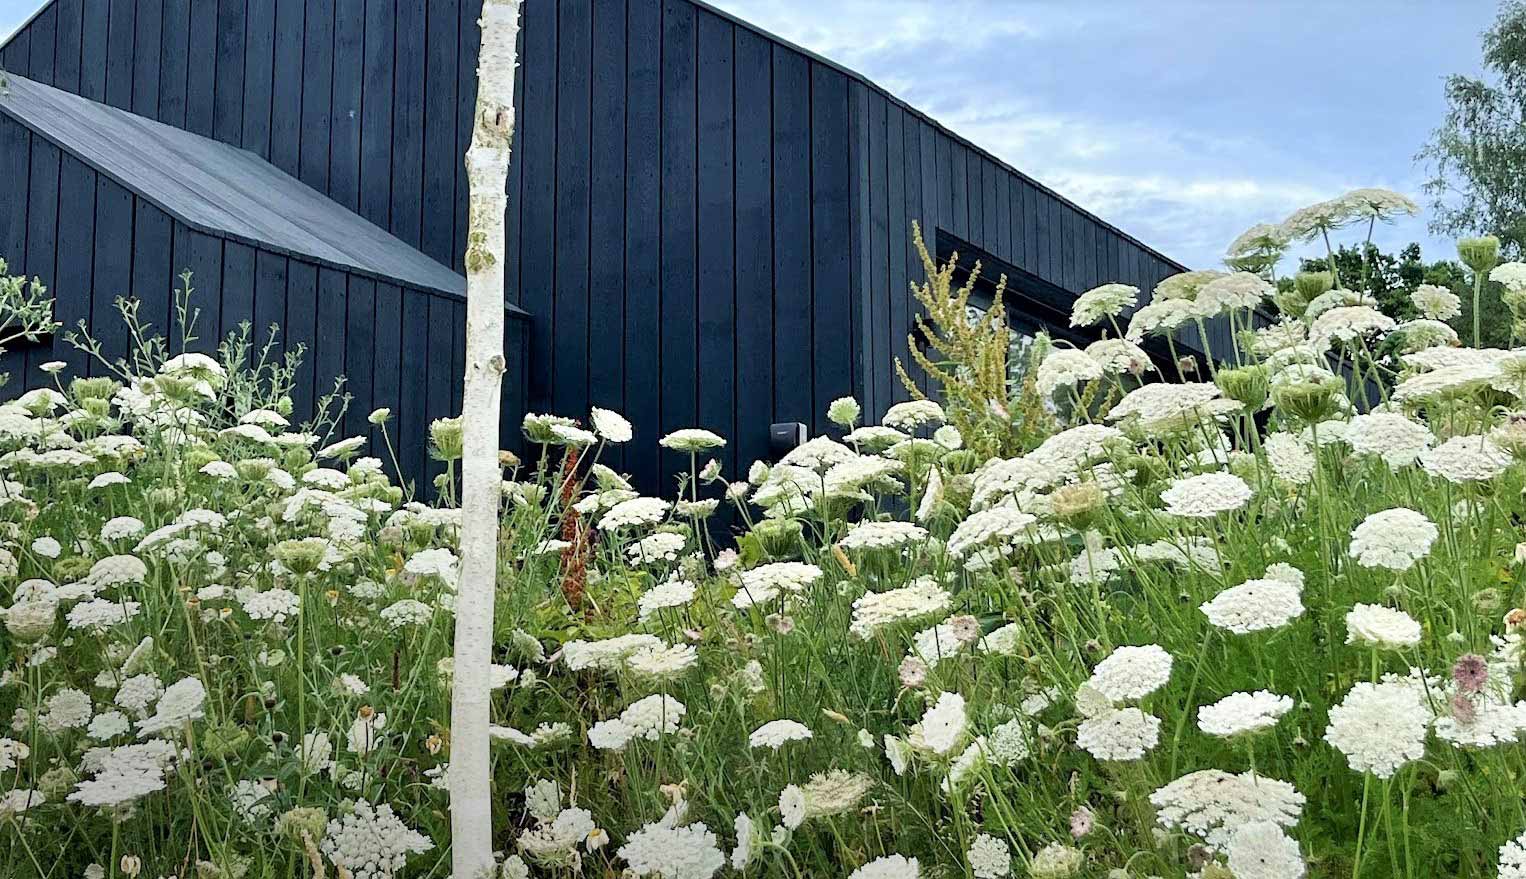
column 708, row 227
column 92, row 240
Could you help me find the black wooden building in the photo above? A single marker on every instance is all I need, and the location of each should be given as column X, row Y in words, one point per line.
column 708, row 226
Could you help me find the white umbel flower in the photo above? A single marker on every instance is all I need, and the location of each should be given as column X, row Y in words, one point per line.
column 1373, row 625
column 1242, row 713
column 1206, row 495
column 1290, row 459
column 874, row 611
column 1254, row 606
column 372, row 842
column 692, row 439
column 1393, row 539
column 882, row 535
column 945, row 724
column 1098, row 303
column 912, row 414
column 888, row 867
column 1121, row 734
column 1066, row 368
column 1392, row 437
column 989, row 857
column 1463, row 459
column 1212, row 804
column 659, row 849
column 1130, row 673
column 1513, row 858
column 1436, row 303
column 776, row 733
column 1056, row 861
column 1261, row 850
column 611, row 426
column 1379, row 727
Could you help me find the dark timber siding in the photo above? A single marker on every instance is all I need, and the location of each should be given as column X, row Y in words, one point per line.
column 908, row 168
column 680, row 210
column 708, row 226
column 93, row 240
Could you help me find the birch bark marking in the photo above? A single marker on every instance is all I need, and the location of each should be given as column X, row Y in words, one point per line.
column 487, row 167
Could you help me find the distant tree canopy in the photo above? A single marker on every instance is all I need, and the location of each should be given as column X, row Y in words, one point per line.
column 1477, row 157
column 1391, row 278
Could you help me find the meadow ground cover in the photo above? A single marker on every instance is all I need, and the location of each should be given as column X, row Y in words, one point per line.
column 1260, row 622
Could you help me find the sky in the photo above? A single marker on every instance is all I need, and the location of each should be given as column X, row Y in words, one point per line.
column 1182, row 122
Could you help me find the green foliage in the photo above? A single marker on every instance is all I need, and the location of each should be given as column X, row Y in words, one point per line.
column 26, row 310
column 1477, row 156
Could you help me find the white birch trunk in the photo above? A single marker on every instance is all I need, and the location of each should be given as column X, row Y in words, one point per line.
column 487, row 166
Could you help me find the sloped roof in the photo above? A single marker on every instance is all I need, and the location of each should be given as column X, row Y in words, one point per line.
column 220, row 189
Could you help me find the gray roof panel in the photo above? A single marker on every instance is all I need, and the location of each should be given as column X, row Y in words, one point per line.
column 220, row 189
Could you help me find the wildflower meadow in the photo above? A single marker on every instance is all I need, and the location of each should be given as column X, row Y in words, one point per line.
column 1085, row 613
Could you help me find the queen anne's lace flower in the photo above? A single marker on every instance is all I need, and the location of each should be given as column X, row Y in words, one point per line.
column 1486, row 723
column 1379, row 727
column 1108, row 300
column 1056, row 861
column 986, row 527
column 1212, row 804
column 1206, row 495
column 764, row 583
column 1290, row 459
column 776, row 733
column 1261, row 850
column 634, row 512
column 989, row 857
column 1436, row 303
column 882, row 535
column 612, row 426
column 912, row 414
column 874, row 611
column 1120, row 734
column 673, row 852
column 888, row 867
column 1464, row 459
column 1066, row 368
column 180, row 704
column 1240, row 713
column 1254, row 606
column 672, row 593
column 1374, row 625
column 1131, row 673
column 371, row 842
column 1513, row 859
column 1397, row 440
column 1348, row 323
column 1393, row 539
column 692, row 439
column 945, row 724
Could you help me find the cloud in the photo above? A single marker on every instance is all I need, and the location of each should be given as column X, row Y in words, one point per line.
column 860, row 32
column 1181, row 128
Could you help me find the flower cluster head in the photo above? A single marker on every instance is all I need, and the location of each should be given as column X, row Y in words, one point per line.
column 1212, row 804
column 1132, row 673
column 1380, row 627
column 1241, row 713
column 371, row 842
column 1066, row 368
column 1206, row 495
column 1380, row 726
column 1255, row 605
column 1393, row 539
column 1100, row 303
column 1466, row 459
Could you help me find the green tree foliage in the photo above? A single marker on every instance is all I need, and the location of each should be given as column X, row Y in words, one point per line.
column 1392, row 277
column 1477, row 157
